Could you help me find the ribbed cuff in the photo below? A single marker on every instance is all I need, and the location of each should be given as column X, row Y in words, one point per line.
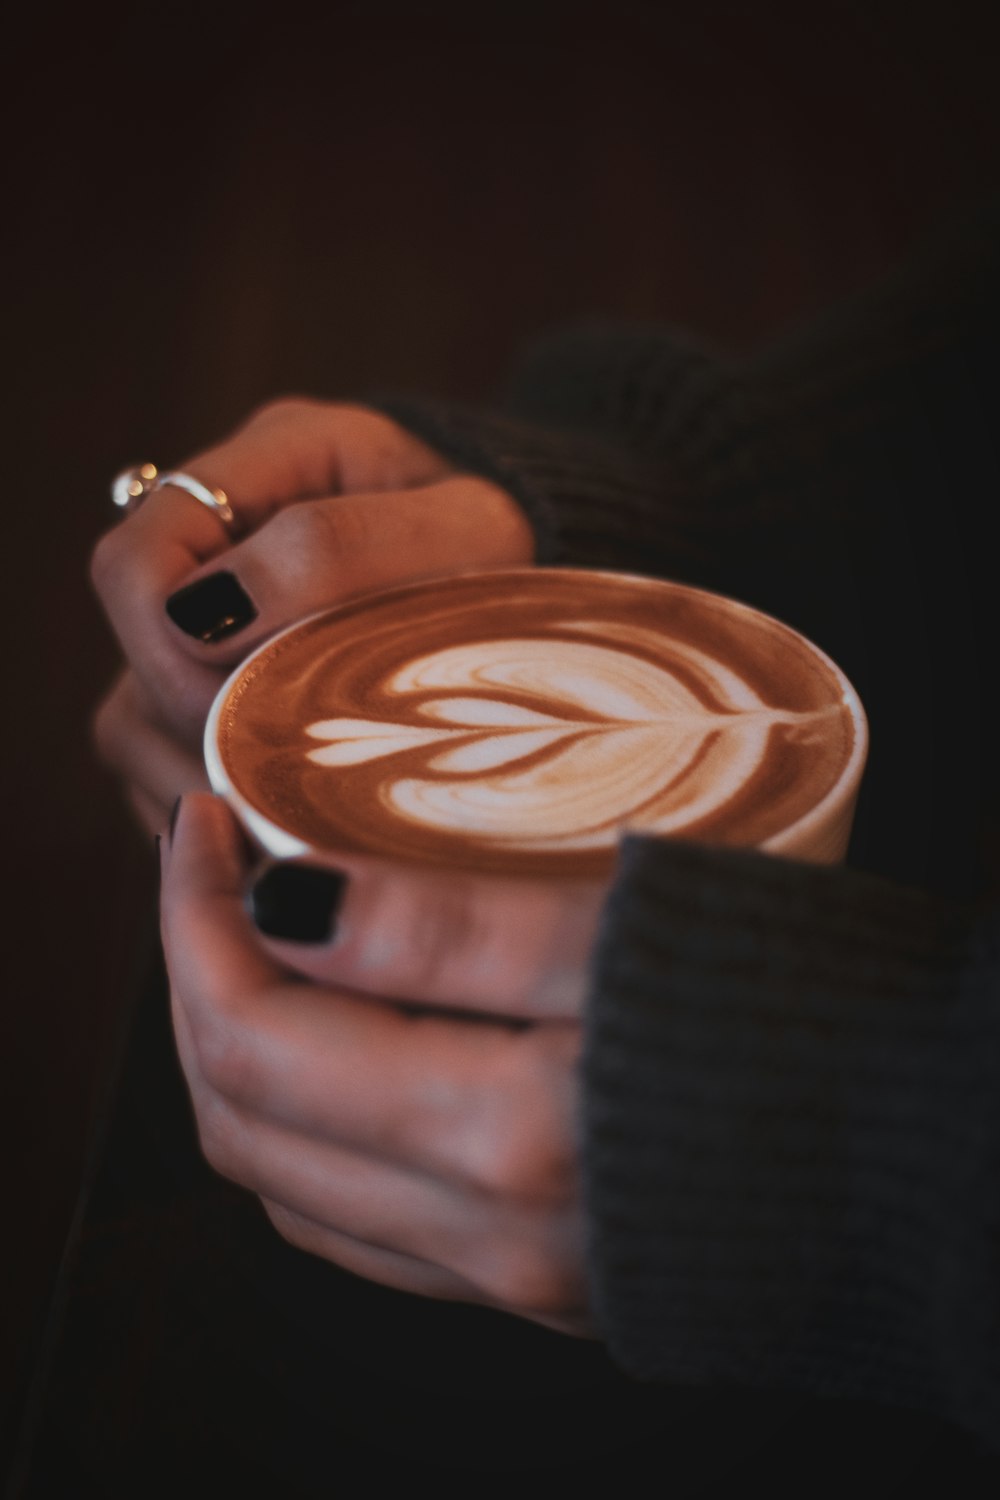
column 791, row 1134
column 589, row 503
column 657, row 391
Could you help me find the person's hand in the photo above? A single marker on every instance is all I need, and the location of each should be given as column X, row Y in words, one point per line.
column 401, row 1089
column 331, row 501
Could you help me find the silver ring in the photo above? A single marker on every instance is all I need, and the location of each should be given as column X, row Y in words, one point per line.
column 133, row 486
column 130, row 488
column 216, row 500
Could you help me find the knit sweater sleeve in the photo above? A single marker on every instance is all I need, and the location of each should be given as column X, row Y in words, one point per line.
column 793, row 1132
column 643, row 448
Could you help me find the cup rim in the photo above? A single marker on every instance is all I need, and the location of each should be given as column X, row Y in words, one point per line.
column 280, row 844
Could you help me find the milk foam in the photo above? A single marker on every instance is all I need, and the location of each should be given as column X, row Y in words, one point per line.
column 419, row 724
column 580, row 779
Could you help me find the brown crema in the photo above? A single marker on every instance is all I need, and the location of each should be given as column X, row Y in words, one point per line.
column 519, row 721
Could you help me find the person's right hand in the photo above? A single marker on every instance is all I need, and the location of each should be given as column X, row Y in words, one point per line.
column 331, row 501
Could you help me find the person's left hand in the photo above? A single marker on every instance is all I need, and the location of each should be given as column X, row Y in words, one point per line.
column 402, row 1094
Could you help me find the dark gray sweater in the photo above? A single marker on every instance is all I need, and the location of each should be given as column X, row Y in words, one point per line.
column 792, row 1074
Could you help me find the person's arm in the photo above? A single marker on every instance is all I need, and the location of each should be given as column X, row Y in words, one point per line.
column 851, row 448
column 668, row 395
column 792, row 1132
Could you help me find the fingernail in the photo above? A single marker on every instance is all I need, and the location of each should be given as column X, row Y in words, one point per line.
column 173, row 818
column 298, row 902
column 212, row 608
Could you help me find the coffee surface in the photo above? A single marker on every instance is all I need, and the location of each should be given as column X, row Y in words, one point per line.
column 519, row 722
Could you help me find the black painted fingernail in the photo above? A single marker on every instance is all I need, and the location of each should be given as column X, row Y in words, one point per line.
column 212, row 608
column 298, row 902
column 173, row 818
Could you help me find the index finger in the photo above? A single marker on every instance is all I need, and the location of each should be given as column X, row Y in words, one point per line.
column 288, row 450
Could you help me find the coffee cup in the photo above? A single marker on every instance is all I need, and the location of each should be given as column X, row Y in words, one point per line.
column 519, row 721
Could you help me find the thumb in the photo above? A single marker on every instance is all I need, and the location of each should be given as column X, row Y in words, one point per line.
column 509, row 947
column 210, row 946
column 315, row 553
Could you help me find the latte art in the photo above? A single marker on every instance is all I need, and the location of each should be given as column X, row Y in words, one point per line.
column 533, row 780
column 420, row 725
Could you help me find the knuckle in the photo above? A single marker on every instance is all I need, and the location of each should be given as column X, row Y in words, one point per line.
column 182, row 703
column 381, row 434
column 106, row 729
column 349, row 530
column 301, row 533
column 219, row 1136
column 283, row 411
column 518, row 1167
column 225, row 1058
column 528, row 1277
column 526, row 1153
column 500, row 1167
column 437, row 943
column 291, row 1226
column 106, row 560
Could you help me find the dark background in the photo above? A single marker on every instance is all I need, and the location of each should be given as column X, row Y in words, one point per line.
column 402, row 196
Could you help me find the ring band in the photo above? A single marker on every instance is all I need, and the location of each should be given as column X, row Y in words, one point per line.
column 133, row 486
column 216, row 500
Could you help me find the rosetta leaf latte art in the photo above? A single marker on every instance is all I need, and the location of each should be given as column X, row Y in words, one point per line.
column 531, row 743
column 522, row 721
